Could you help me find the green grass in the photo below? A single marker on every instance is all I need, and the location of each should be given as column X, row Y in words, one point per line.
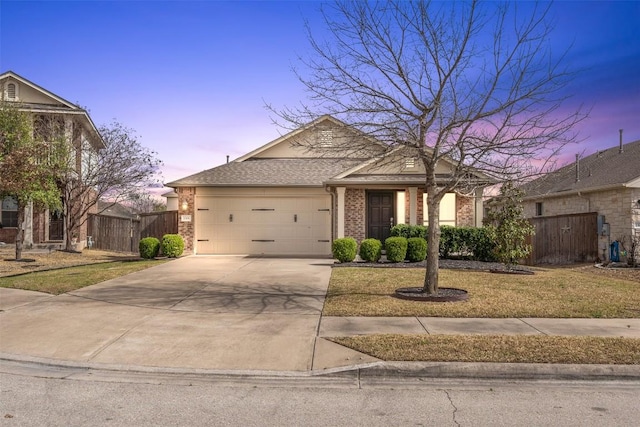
column 562, row 293
column 63, row 280
column 497, row 348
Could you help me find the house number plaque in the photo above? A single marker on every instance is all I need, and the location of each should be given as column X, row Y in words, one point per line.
column 185, row 218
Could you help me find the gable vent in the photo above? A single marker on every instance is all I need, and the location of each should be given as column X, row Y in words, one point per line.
column 12, row 91
column 410, row 163
column 325, row 139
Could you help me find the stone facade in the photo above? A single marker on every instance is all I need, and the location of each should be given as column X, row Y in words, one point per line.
column 620, row 208
column 355, row 214
column 186, row 228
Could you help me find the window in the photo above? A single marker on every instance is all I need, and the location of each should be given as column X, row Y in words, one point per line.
column 447, row 210
column 9, row 217
column 538, row 208
column 12, row 91
column 326, row 138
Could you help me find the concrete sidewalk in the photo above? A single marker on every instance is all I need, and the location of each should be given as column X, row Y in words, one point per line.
column 227, row 314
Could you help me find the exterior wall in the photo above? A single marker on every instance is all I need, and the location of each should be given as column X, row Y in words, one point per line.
column 420, row 208
column 619, row 206
column 8, row 235
column 465, row 211
column 355, row 214
column 186, row 229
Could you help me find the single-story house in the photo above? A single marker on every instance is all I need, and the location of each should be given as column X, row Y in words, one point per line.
column 296, row 194
column 606, row 182
column 45, row 226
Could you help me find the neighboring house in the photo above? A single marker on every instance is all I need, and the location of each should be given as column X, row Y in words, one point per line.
column 285, row 198
column 172, row 200
column 114, row 209
column 44, row 226
column 606, row 183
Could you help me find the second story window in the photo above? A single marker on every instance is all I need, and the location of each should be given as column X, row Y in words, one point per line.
column 12, row 92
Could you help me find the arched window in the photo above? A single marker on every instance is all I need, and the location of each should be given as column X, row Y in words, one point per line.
column 11, row 92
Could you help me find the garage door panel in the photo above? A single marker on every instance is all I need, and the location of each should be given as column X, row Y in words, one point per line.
column 267, row 225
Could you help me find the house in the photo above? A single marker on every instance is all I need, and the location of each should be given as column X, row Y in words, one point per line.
column 45, row 226
column 114, row 209
column 606, row 183
column 296, row 194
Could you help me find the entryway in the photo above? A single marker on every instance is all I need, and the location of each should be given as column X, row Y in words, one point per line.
column 380, row 214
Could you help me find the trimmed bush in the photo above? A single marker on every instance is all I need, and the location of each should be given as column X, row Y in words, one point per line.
column 396, row 248
column 483, row 245
column 172, row 245
column 408, row 231
column 149, row 247
column 371, row 250
column 416, row 249
column 344, row 249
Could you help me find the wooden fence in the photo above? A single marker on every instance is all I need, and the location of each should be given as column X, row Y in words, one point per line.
column 112, row 233
column 564, row 239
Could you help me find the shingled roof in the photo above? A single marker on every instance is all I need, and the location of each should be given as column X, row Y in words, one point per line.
column 301, row 172
column 601, row 170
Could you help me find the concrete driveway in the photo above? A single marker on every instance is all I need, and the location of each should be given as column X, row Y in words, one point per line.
column 194, row 312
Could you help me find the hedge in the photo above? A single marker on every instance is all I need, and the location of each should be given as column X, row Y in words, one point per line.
column 172, row 245
column 416, row 249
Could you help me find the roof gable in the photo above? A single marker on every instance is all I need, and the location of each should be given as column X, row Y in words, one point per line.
column 603, row 169
column 32, row 93
column 325, row 137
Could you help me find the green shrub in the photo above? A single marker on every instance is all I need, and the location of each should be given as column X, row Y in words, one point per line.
column 448, row 241
column 408, row 231
column 172, row 245
column 396, row 248
column 371, row 250
column 483, row 245
column 416, row 249
column 344, row 249
column 149, row 247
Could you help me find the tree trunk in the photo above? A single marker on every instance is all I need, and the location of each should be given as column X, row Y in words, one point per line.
column 20, row 235
column 433, row 242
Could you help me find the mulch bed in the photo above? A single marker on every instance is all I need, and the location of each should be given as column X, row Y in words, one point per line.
column 449, row 264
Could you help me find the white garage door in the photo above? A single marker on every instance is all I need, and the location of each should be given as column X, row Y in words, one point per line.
column 263, row 225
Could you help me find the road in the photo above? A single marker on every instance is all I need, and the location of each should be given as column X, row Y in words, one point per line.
column 120, row 399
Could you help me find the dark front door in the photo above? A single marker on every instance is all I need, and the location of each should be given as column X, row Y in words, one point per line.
column 56, row 226
column 380, row 214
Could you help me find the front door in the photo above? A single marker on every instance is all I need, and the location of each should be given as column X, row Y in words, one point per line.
column 380, row 214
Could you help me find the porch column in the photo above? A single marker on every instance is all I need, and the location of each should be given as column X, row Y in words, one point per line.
column 340, row 211
column 28, row 225
column 479, row 206
column 413, row 205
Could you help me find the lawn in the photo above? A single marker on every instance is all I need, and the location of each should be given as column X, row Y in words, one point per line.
column 497, row 348
column 556, row 292
column 61, row 280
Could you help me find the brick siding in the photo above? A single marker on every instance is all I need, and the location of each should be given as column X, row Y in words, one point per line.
column 355, row 214
column 186, row 229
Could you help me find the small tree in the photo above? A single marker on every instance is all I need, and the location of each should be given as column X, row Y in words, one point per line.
column 29, row 166
column 508, row 228
column 121, row 171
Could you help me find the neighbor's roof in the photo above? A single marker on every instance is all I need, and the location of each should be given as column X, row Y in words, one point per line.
column 604, row 169
column 301, row 172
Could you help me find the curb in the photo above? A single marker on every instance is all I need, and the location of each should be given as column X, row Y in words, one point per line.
column 354, row 375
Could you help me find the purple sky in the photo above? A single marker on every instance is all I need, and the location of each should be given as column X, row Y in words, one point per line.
column 193, row 77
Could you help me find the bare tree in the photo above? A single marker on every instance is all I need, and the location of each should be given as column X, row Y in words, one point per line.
column 121, row 171
column 472, row 83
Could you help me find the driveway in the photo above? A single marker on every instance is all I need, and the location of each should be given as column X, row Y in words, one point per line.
column 194, row 312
